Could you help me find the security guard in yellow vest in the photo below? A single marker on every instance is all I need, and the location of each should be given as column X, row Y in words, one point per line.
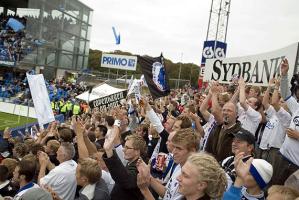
column 76, row 109
column 53, row 105
column 69, row 108
column 60, row 104
column 63, row 110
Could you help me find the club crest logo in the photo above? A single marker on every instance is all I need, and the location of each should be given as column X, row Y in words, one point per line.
column 159, row 79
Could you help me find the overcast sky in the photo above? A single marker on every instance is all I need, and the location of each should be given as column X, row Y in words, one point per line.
column 177, row 27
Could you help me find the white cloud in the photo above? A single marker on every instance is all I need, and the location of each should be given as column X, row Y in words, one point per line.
column 175, row 27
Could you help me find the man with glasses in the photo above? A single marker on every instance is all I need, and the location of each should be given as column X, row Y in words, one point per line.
column 125, row 177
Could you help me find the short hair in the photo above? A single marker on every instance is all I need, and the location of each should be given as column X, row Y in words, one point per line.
column 3, row 173
column 287, row 192
column 210, row 172
column 257, row 89
column 191, row 108
column 92, row 136
column 186, row 121
column 11, row 164
column 27, row 168
column 110, row 120
column 66, row 134
column 36, row 147
column 69, row 150
column 186, row 137
column 103, row 129
column 21, row 149
column 53, row 145
column 138, row 143
column 91, row 169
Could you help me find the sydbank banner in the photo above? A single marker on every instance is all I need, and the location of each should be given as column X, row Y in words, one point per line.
column 119, row 62
column 255, row 69
column 40, row 99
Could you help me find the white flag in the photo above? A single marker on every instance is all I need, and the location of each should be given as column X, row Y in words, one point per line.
column 40, row 98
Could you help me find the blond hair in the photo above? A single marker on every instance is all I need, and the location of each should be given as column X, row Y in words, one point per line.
column 288, row 193
column 210, row 172
column 138, row 143
column 11, row 164
column 90, row 169
column 53, row 145
column 188, row 138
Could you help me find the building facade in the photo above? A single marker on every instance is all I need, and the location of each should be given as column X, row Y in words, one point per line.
column 56, row 34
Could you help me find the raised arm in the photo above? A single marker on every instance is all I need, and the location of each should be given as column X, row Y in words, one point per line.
column 275, row 96
column 216, row 109
column 204, row 106
column 242, row 96
column 284, row 85
column 234, row 98
column 266, row 97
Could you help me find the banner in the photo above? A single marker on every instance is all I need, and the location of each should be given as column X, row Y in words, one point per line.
column 155, row 75
column 211, row 51
column 255, row 69
column 119, row 62
column 40, row 98
column 108, row 102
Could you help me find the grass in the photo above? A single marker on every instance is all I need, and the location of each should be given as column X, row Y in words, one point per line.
column 12, row 121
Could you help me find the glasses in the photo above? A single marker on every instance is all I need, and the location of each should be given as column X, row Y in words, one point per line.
column 126, row 147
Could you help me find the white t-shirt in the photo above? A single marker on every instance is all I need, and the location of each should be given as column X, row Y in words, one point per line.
column 290, row 147
column 172, row 186
column 106, row 176
column 274, row 132
column 62, row 179
column 207, row 128
column 19, row 195
column 249, row 118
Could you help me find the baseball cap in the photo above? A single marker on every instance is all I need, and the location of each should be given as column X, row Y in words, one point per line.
column 261, row 171
column 245, row 135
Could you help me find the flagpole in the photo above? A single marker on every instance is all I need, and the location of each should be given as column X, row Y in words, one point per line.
column 180, row 71
column 126, row 79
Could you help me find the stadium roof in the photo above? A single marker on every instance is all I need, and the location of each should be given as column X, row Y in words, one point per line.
column 14, row 3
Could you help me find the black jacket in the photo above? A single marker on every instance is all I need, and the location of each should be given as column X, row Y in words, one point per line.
column 220, row 141
column 125, row 178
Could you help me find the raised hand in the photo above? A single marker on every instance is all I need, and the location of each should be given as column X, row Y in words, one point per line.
column 242, row 169
column 284, row 67
column 143, row 178
column 43, row 158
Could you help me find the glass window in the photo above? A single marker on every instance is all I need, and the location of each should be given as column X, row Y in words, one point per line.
column 67, row 42
column 71, row 25
column 82, row 47
column 73, row 8
column 88, row 33
column 85, row 15
column 65, row 60
column 87, row 48
column 80, row 62
column 85, row 64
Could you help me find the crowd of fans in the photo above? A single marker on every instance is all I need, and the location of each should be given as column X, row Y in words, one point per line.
column 230, row 142
column 14, row 46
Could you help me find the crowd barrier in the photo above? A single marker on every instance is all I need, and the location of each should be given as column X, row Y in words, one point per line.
column 17, row 109
column 23, row 111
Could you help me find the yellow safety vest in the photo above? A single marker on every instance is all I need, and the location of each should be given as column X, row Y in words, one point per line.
column 63, row 109
column 76, row 110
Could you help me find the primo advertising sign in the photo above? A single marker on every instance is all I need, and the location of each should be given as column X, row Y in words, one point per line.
column 119, row 62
